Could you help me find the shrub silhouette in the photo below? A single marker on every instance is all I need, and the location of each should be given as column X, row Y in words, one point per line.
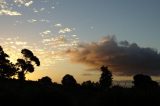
column 26, row 65
column 69, row 81
column 7, row 69
column 106, row 78
column 144, row 81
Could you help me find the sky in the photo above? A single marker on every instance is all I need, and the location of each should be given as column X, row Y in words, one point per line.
column 77, row 37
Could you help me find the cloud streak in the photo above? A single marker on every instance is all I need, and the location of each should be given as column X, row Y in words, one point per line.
column 9, row 12
column 123, row 58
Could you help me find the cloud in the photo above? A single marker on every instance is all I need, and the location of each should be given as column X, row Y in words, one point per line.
column 44, row 20
column 42, row 9
column 20, row 43
column 74, row 35
column 44, row 33
column 3, row 4
column 13, row 47
column 19, row 1
column 65, row 30
column 122, row 58
column 88, row 74
column 58, row 25
column 24, row 2
column 28, row 3
column 35, row 10
column 10, row 5
column 59, row 42
column 50, row 50
column 32, row 20
column 6, row 9
column 9, row 12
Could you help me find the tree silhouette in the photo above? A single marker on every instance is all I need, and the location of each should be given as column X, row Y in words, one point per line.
column 27, row 64
column 69, row 81
column 45, row 80
column 106, row 78
column 144, row 81
column 89, row 85
column 7, row 69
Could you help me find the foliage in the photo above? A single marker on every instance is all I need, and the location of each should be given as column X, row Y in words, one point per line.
column 90, row 85
column 45, row 80
column 69, row 81
column 26, row 65
column 106, row 78
column 144, row 81
column 7, row 68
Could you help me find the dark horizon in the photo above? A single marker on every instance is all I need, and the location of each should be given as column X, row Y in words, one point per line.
column 77, row 37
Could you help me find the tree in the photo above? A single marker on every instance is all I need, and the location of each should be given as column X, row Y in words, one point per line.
column 26, row 65
column 69, row 81
column 144, row 81
column 89, row 85
column 45, row 80
column 106, row 78
column 7, row 68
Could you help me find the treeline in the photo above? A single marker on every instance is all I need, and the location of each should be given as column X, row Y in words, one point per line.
column 27, row 63
column 45, row 92
column 105, row 82
column 14, row 89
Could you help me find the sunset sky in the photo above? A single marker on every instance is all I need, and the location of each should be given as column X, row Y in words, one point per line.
column 77, row 37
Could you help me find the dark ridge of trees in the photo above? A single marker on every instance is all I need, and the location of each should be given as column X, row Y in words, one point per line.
column 90, row 85
column 106, row 78
column 45, row 92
